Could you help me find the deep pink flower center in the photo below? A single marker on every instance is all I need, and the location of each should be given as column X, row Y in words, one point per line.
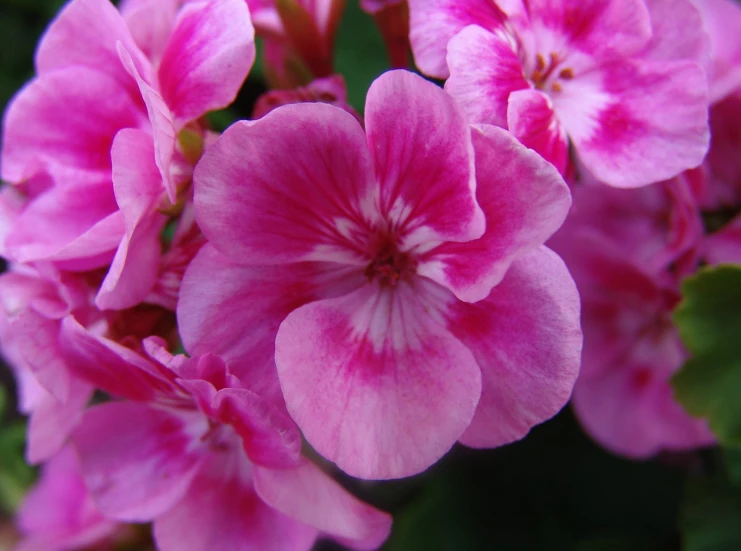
column 389, row 265
column 549, row 73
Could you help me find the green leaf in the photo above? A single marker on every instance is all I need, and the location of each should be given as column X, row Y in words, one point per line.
column 15, row 475
column 732, row 459
column 711, row 517
column 709, row 322
column 360, row 54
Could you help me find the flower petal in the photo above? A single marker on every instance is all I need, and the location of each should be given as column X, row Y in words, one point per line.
column 723, row 25
column 527, row 339
column 52, row 421
column 207, row 58
column 423, row 158
column 433, row 23
column 138, row 461
column 647, row 123
column 234, row 311
column 357, row 373
column 484, row 70
column 137, row 183
column 85, row 33
column 525, row 201
column 110, row 366
column 64, row 123
column 58, row 513
column 70, row 224
column 222, row 512
column 311, row 496
column 161, row 119
column 678, row 32
column 150, row 23
column 596, row 27
column 531, row 118
column 257, row 208
column 269, row 436
column 630, row 410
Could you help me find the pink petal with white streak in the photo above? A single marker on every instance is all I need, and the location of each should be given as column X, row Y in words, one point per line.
column 86, row 33
column 636, row 123
column 255, row 300
column 530, row 117
column 257, row 208
column 525, row 201
column 423, row 159
column 223, row 512
column 357, row 373
column 485, row 70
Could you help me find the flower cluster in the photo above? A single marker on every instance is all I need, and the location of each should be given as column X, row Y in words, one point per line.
column 193, row 318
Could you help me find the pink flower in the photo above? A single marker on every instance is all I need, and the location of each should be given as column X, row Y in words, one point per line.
column 592, row 74
column 395, row 276
column 59, row 515
column 628, row 251
column 623, row 397
column 211, row 463
column 103, row 121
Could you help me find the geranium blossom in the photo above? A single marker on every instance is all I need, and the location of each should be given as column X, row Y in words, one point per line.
column 611, row 78
column 623, row 397
column 397, row 275
column 102, row 120
column 215, row 466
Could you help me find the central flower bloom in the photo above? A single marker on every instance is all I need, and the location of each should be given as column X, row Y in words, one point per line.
column 358, row 263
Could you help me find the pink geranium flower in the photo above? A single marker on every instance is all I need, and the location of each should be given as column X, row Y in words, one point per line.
column 59, row 515
column 103, row 120
column 215, row 466
column 395, row 275
column 611, row 78
column 624, row 398
column 628, row 251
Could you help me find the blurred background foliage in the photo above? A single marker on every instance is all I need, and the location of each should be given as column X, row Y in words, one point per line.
column 555, row 490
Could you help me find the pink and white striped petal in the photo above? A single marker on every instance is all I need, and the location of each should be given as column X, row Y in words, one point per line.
column 485, row 70
column 358, row 372
column 638, row 122
column 426, row 178
column 531, row 118
column 216, row 289
column 524, row 200
column 254, row 206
